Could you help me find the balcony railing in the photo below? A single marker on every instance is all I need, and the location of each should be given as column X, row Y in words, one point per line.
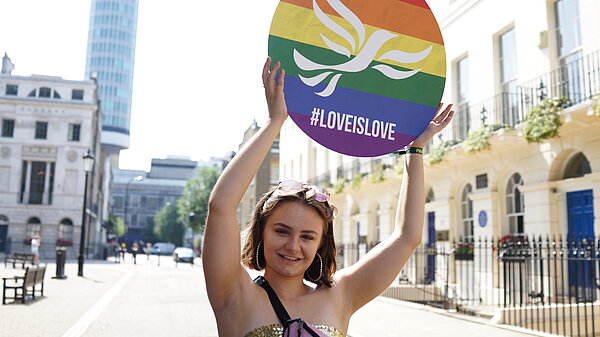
column 577, row 81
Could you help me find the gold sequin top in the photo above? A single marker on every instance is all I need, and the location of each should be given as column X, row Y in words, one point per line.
column 276, row 330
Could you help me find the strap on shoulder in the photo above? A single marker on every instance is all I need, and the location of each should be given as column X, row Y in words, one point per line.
column 282, row 314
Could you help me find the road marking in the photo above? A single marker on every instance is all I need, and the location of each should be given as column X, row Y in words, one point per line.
column 90, row 316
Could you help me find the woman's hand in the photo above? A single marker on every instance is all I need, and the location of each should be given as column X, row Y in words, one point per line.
column 438, row 123
column 274, row 91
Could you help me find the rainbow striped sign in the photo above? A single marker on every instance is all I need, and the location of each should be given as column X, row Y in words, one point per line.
column 364, row 77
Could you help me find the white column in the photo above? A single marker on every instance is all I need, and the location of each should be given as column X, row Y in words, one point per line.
column 46, row 194
column 27, row 183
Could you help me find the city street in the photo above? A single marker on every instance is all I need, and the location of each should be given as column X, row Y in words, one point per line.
column 147, row 300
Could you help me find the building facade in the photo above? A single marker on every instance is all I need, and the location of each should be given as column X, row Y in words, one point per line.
column 48, row 123
column 267, row 175
column 139, row 195
column 514, row 62
column 110, row 58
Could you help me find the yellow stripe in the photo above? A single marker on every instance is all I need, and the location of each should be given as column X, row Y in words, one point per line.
column 289, row 17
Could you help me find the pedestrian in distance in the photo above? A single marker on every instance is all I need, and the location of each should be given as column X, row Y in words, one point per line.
column 36, row 242
column 291, row 239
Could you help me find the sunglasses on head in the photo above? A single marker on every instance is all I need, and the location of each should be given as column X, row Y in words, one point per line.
column 289, row 187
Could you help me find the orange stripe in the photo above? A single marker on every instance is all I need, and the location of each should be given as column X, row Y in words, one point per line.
column 392, row 15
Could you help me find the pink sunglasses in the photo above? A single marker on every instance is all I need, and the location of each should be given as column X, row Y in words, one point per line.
column 289, row 187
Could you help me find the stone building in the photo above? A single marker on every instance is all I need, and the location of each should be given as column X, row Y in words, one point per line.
column 47, row 125
column 267, row 175
column 139, row 195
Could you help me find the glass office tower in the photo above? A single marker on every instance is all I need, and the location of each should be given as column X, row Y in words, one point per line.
column 110, row 57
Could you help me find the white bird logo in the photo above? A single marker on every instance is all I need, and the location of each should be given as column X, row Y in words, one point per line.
column 367, row 51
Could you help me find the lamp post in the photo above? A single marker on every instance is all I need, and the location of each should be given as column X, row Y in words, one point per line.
column 136, row 178
column 88, row 164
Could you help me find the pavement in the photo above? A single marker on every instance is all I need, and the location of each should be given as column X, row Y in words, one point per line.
column 123, row 299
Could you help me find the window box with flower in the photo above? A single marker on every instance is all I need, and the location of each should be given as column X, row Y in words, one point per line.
column 464, row 252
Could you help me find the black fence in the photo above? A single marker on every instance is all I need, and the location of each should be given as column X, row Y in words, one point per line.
column 549, row 284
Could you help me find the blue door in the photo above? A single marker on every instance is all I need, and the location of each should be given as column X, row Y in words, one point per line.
column 580, row 213
column 431, row 246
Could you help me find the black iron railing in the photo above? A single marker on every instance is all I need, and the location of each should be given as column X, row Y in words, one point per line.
column 540, row 283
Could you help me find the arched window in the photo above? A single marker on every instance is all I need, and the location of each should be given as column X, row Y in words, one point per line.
column 34, row 227
column 515, row 205
column 65, row 229
column 467, row 212
column 578, row 166
column 430, row 196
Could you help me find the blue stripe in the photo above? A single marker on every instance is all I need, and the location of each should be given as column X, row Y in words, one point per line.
column 410, row 118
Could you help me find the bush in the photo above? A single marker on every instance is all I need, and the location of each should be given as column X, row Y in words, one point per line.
column 543, row 121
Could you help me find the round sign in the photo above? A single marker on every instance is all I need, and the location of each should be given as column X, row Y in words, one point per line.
column 363, row 78
column 482, row 219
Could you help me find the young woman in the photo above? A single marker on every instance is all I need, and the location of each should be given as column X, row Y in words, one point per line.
column 291, row 238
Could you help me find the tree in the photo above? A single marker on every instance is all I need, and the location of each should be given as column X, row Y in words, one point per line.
column 193, row 205
column 119, row 227
column 167, row 226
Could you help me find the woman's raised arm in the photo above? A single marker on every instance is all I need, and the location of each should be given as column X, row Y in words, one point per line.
column 373, row 273
column 221, row 250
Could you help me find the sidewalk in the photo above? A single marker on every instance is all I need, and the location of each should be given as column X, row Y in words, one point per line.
column 147, row 300
column 385, row 317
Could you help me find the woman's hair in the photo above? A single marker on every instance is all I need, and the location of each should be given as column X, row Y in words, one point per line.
column 265, row 207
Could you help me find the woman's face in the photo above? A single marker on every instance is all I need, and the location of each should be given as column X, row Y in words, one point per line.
column 291, row 238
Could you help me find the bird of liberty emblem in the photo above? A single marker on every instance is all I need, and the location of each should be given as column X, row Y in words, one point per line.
column 363, row 77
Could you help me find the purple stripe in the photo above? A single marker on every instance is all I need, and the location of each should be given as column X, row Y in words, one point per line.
column 350, row 143
column 410, row 118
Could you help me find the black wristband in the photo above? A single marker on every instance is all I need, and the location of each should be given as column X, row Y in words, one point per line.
column 405, row 150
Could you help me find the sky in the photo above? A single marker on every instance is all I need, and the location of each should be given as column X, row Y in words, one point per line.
column 197, row 79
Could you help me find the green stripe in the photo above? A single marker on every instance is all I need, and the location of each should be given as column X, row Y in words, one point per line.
column 422, row 88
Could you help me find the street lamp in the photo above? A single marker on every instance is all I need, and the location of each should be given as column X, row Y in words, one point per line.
column 88, row 164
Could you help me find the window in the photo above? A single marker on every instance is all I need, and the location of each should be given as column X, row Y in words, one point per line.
column 578, row 166
column 37, row 182
column 467, row 212
column 65, row 229
column 462, row 120
column 568, row 33
column 8, row 127
column 45, row 92
column 118, row 202
column 74, row 131
column 33, row 93
column 55, row 94
column 41, row 130
column 34, row 227
column 11, row 90
column 508, row 77
column 515, row 205
column 3, row 220
column 77, row 94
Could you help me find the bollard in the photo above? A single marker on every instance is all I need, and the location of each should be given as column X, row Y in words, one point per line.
column 61, row 254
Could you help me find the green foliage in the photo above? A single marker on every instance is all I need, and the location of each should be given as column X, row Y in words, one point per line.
column 438, row 151
column 399, row 167
column 167, row 225
column 119, row 227
column 479, row 139
column 596, row 111
column 356, row 180
column 195, row 198
column 339, row 185
column 377, row 174
column 543, row 121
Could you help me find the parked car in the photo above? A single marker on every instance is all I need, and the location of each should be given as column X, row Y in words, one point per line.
column 183, row 254
column 162, row 248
